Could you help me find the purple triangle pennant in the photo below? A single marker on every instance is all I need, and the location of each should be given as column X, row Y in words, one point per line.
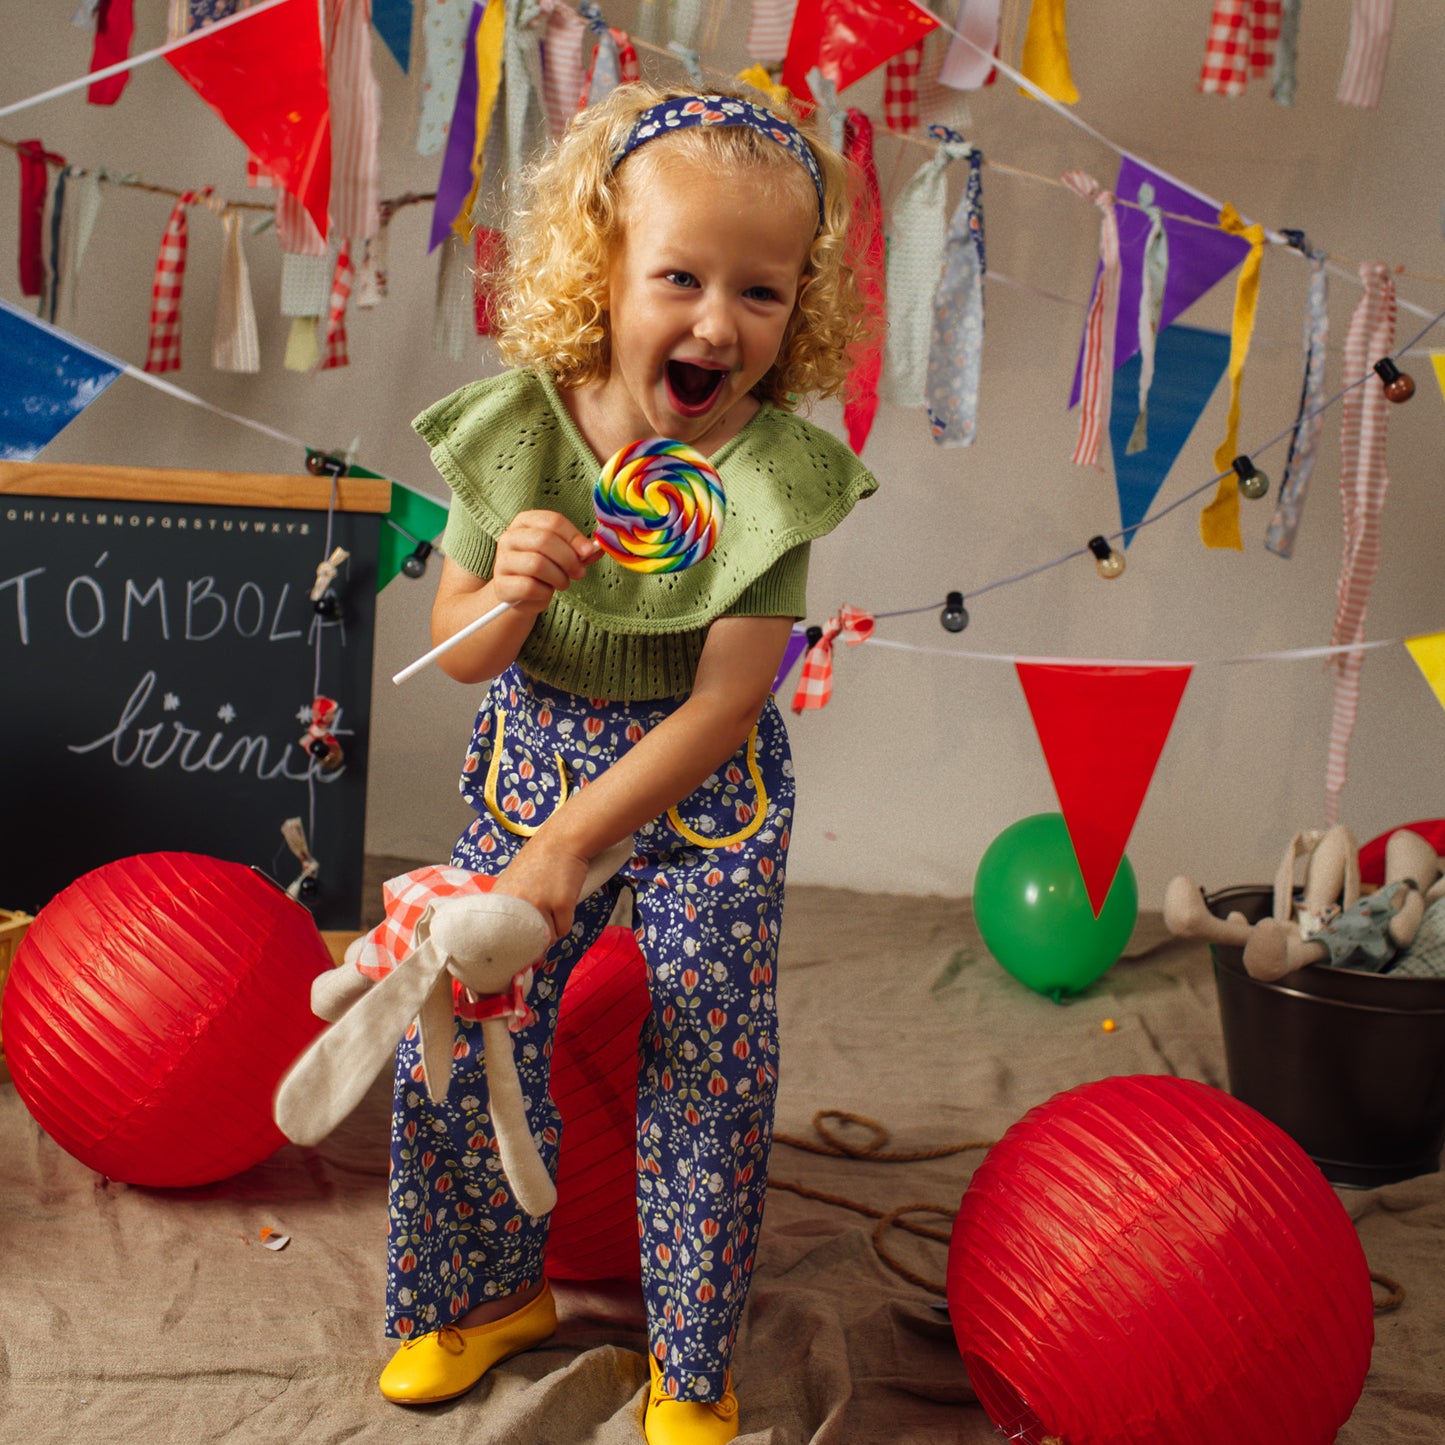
column 1200, row 256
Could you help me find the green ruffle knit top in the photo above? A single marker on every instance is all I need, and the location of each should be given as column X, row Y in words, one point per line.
column 507, row 444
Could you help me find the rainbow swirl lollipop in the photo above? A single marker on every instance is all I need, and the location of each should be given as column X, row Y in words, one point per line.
column 659, row 506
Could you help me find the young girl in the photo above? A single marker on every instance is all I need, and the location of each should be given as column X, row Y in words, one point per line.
column 676, row 270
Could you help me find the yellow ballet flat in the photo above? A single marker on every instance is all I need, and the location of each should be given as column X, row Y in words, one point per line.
column 449, row 1361
column 688, row 1422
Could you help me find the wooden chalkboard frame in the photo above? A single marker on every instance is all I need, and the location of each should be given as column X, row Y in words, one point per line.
column 51, row 833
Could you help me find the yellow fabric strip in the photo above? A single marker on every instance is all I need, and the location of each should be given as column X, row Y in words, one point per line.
column 1219, row 521
column 759, row 79
column 490, row 35
column 1429, row 655
column 303, row 349
column 1046, row 52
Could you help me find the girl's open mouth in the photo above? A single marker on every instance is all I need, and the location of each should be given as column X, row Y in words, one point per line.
column 692, row 389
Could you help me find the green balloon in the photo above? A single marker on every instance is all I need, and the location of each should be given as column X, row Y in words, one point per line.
column 1033, row 910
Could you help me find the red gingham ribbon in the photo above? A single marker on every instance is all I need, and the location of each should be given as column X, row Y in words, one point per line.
column 405, row 900
column 164, row 350
column 815, row 684
column 1243, row 35
column 1096, row 382
column 866, row 255
column 900, row 90
column 34, row 184
column 1364, row 480
column 334, row 352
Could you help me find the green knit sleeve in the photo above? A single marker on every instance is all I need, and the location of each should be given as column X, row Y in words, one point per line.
column 780, row 592
column 468, row 544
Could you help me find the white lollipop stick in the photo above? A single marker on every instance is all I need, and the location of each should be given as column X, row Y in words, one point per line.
column 412, row 668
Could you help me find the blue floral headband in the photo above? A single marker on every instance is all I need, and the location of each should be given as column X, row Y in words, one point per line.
column 690, row 110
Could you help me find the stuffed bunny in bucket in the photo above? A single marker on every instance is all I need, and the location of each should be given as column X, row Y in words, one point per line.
column 1397, row 929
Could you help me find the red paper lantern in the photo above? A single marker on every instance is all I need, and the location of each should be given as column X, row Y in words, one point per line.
column 151, row 1010
column 594, row 1085
column 1147, row 1260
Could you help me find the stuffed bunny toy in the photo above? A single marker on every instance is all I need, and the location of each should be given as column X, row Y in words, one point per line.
column 1330, row 922
column 485, row 941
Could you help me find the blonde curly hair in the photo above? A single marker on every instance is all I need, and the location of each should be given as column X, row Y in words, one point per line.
column 549, row 294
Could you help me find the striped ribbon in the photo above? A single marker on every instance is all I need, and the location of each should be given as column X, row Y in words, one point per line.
column 865, row 254
column 235, row 345
column 1371, row 22
column 1096, row 383
column 1364, row 481
column 1219, row 521
column 955, row 353
column 163, row 353
column 563, row 73
column 900, row 90
column 815, row 682
column 333, row 351
column 1305, row 438
column 355, row 120
column 769, row 28
column 1153, row 278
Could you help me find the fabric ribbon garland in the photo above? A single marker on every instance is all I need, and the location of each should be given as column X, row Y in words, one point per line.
column 55, row 270
column 1371, row 22
column 916, row 238
column 371, row 279
column 1305, row 438
column 114, row 27
column 1096, row 382
column 815, row 682
column 1286, row 54
column 1046, row 51
column 490, row 51
column 1243, row 36
column 867, row 257
column 522, row 78
column 235, row 345
column 1364, row 481
column 1219, row 521
column 955, row 353
column 1153, row 278
column 355, row 121
column 35, row 162
column 900, row 90
column 333, row 351
column 445, row 24
column 768, row 30
column 163, row 352
column 563, row 74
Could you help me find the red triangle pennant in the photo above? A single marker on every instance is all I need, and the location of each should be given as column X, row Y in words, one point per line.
column 1102, row 727
column 266, row 78
column 846, row 39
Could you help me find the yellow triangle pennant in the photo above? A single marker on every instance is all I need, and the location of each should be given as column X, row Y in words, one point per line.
column 1429, row 654
column 1437, row 360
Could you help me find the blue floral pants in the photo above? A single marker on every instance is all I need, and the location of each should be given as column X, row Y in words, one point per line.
column 707, row 879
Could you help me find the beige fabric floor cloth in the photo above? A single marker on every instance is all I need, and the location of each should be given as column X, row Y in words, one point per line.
column 130, row 1314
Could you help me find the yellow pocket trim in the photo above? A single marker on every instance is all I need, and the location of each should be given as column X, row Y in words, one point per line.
column 489, row 788
column 750, row 827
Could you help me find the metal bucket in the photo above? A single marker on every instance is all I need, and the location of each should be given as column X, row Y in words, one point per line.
column 1350, row 1065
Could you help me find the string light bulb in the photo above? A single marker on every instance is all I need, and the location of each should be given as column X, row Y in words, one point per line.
column 1110, row 564
column 1398, row 385
column 954, row 616
column 1252, row 482
column 414, row 564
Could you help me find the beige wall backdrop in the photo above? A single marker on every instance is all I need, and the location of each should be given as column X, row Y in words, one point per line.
column 921, row 759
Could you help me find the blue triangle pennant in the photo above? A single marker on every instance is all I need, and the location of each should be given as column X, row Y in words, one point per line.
column 47, row 378
column 1188, row 363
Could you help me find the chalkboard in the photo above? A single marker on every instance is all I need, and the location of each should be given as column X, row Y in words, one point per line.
column 158, row 658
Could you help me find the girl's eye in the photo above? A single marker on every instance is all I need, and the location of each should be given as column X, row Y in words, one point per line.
column 682, row 278
column 761, row 293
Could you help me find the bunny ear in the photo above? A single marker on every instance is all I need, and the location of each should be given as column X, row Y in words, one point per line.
column 329, row 1080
